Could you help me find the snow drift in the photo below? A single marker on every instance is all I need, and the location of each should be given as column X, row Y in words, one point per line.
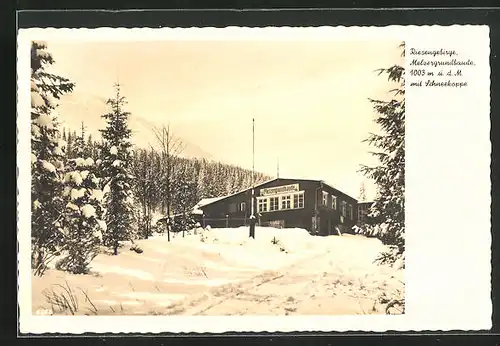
column 223, row 271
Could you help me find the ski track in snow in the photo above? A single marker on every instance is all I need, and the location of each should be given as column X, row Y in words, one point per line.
column 235, row 276
column 276, row 292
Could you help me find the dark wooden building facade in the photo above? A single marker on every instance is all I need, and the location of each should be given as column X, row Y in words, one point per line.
column 286, row 203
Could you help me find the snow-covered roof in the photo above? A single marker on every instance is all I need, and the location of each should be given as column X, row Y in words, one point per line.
column 207, row 201
column 364, row 204
column 333, row 187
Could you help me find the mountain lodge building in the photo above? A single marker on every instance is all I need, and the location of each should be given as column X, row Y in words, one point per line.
column 284, row 203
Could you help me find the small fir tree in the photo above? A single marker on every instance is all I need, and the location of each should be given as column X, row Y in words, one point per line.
column 83, row 224
column 116, row 168
column 184, row 199
column 69, row 145
column 146, row 168
column 362, row 193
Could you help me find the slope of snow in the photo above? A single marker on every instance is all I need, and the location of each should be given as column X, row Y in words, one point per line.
column 223, row 271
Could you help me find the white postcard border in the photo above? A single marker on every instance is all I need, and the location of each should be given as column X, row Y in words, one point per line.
column 459, row 300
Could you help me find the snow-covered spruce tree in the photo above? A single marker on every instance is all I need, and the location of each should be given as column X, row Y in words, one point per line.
column 116, row 169
column 146, row 169
column 387, row 213
column 83, row 225
column 183, row 198
column 362, row 193
column 200, row 180
column 47, row 155
column 91, row 147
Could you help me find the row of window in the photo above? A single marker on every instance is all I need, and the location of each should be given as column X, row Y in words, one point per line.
column 284, row 202
column 293, row 201
column 345, row 208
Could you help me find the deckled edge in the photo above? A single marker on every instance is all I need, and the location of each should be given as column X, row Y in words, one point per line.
column 103, row 30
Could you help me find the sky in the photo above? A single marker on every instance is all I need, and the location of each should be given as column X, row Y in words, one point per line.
column 309, row 99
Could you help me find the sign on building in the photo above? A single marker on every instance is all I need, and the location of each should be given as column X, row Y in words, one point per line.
column 279, row 190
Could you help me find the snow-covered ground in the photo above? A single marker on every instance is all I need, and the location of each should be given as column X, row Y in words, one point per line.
column 223, row 272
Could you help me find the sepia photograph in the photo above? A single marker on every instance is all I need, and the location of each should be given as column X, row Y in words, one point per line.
column 217, row 177
column 214, row 180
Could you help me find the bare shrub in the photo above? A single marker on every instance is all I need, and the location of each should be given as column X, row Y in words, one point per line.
column 394, row 304
column 63, row 298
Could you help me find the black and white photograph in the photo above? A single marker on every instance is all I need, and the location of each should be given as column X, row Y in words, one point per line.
column 211, row 177
column 219, row 177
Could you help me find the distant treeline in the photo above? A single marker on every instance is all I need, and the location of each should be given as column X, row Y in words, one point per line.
column 204, row 178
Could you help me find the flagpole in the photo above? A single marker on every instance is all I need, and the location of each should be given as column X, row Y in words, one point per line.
column 252, row 207
column 253, row 153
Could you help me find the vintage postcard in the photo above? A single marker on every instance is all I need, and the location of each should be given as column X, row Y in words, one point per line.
column 254, row 179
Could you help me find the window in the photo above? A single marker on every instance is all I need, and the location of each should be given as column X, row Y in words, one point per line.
column 262, row 205
column 298, row 200
column 286, row 202
column 282, row 202
column 325, row 198
column 344, row 208
column 273, row 203
column 334, row 202
column 350, row 211
column 242, row 206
